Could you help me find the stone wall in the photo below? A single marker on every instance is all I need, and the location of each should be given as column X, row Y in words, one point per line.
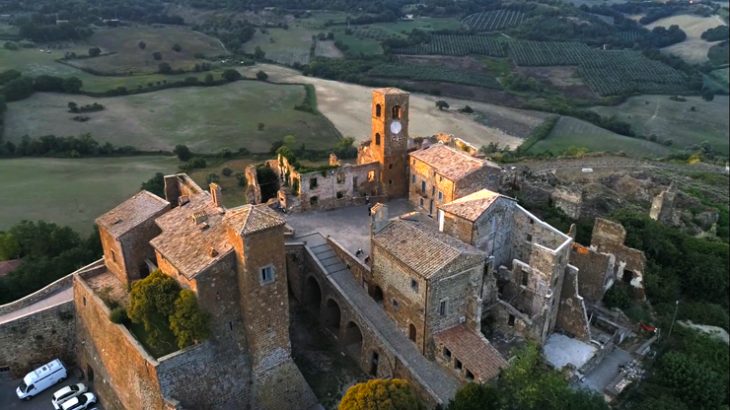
column 37, row 295
column 32, row 340
column 359, row 269
column 568, row 201
column 124, row 374
column 609, row 237
column 487, row 177
column 438, row 190
column 572, row 316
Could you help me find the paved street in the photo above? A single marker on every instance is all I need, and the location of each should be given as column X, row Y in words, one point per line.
column 9, row 401
column 349, row 226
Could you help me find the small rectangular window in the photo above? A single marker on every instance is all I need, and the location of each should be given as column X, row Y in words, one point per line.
column 423, row 187
column 525, row 278
column 442, row 308
column 469, row 375
column 447, row 353
column 441, row 196
column 413, row 178
column 529, row 238
column 511, row 320
column 267, row 274
column 457, row 364
column 414, row 285
column 313, row 183
column 114, row 257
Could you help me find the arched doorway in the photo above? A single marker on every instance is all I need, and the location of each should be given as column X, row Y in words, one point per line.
column 312, row 294
column 332, row 315
column 352, row 341
column 374, row 359
column 412, row 332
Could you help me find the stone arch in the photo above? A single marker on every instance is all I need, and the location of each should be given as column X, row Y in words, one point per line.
column 352, row 340
column 332, row 315
column 312, row 293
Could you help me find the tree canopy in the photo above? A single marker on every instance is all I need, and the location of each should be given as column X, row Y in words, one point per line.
column 381, row 394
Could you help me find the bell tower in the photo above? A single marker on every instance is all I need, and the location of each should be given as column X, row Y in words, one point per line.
column 389, row 139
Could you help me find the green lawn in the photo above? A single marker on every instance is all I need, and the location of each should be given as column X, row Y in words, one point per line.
column 207, row 119
column 675, row 120
column 72, row 192
column 571, row 132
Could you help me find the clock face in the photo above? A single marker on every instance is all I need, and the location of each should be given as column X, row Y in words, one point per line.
column 395, row 127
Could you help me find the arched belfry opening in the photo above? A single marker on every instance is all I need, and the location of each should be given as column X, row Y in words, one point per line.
column 377, row 138
column 396, row 112
column 378, row 110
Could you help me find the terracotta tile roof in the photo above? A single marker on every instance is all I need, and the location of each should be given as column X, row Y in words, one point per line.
column 473, row 350
column 414, row 240
column 449, row 162
column 389, row 90
column 472, row 206
column 132, row 212
column 195, row 235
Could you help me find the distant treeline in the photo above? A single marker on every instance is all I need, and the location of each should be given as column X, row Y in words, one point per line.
column 52, row 146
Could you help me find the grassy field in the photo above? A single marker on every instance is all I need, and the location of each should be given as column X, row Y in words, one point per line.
column 233, row 194
column 694, row 48
column 72, row 192
column 571, row 132
column 285, row 46
column 32, row 62
column 675, row 120
column 207, row 119
column 128, row 57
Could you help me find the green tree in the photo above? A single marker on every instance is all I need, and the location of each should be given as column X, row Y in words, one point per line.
column 9, row 247
column 142, row 45
column 442, row 105
column 164, row 68
column 156, row 185
column 73, row 107
column 72, row 85
column 176, row 47
column 94, row 51
column 231, row 75
column 188, row 323
column 183, row 152
column 152, row 300
column 18, row 89
column 258, row 53
column 697, row 386
column 381, row 394
column 157, row 55
column 261, row 75
column 226, row 172
column 475, row 396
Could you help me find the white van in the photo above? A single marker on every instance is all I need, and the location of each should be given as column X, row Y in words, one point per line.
column 41, row 379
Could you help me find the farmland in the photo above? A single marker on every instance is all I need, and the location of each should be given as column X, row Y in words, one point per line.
column 72, row 192
column 694, row 49
column 285, row 46
column 433, row 73
column 687, row 123
column 458, row 45
column 494, row 20
column 539, row 53
column 208, row 119
column 606, row 72
column 574, row 133
column 129, row 57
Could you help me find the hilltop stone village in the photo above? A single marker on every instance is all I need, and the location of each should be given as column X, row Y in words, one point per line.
column 438, row 294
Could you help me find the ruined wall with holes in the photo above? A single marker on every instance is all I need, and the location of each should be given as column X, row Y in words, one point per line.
column 339, row 186
column 609, row 237
column 461, row 293
column 52, row 328
column 572, row 316
column 596, row 272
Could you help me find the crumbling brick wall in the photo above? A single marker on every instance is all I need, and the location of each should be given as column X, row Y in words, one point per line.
column 572, row 316
column 596, row 272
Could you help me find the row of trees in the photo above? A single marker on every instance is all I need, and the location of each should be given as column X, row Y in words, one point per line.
column 16, row 87
column 52, row 146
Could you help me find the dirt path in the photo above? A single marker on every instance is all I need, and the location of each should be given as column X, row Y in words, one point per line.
column 348, row 107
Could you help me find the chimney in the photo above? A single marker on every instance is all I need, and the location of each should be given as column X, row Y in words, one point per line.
column 216, row 194
column 378, row 217
column 172, row 189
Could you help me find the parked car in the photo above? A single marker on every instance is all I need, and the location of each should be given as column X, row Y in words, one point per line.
column 67, row 393
column 81, row 402
column 41, row 379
